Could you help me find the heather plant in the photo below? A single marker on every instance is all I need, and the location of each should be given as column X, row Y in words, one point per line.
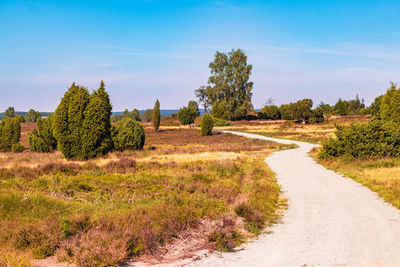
column 206, row 125
column 156, row 116
column 127, row 134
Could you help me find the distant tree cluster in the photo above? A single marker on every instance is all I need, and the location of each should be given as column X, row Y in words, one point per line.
column 32, row 116
column 300, row 111
column 345, row 107
column 134, row 114
column 10, row 133
column 147, row 115
column 229, row 90
column 378, row 138
column 188, row 114
column 81, row 123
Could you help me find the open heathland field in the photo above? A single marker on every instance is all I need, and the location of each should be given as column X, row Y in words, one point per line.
column 312, row 133
column 181, row 193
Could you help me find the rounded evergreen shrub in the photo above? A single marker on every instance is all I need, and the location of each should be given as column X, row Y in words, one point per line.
column 37, row 143
column 128, row 134
column 187, row 115
column 270, row 112
column 206, row 125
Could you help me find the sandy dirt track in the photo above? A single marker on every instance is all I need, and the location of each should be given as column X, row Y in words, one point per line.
column 331, row 220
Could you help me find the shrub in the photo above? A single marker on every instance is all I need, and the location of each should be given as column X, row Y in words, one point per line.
column 9, row 113
column 317, row 115
column 20, row 118
column 390, row 105
column 96, row 133
column 32, row 116
column 42, row 140
column 156, row 116
column 270, row 112
column 17, row 148
column 10, row 133
column 128, row 134
column 187, row 115
column 221, row 122
column 68, row 121
column 218, row 110
column 206, row 125
column 363, row 140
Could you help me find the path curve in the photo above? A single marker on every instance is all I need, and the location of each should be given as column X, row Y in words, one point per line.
column 331, row 220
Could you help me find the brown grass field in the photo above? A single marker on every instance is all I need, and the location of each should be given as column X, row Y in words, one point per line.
column 181, row 193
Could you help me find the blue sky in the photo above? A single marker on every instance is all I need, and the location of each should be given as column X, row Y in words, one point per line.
column 321, row 50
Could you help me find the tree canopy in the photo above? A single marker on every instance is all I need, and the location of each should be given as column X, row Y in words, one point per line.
column 228, row 85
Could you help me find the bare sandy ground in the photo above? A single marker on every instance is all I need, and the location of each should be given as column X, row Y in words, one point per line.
column 331, row 221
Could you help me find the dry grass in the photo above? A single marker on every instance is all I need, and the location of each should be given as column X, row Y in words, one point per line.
column 313, row 133
column 179, row 193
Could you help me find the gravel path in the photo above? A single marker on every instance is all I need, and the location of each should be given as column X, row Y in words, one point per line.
column 331, row 220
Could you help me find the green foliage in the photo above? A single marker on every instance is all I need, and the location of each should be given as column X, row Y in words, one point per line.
column 187, row 115
column 218, row 110
column 285, row 112
column 68, row 121
column 228, row 85
column 221, row 122
column 147, row 115
column 42, row 140
column 10, row 113
column 156, row 115
column 32, row 116
column 326, row 108
column 270, row 112
column 318, row 115
column 134, row 114
column 128, row 134
column 207, row 125
column 96, row 132
column 10, row 133
column 17, row 148
column 36, row 142
column 364, row 140
column 390, row 105
column 20, row 118
column 202, row 94
column 375, row 108
column 193, row 105
column 350, row 107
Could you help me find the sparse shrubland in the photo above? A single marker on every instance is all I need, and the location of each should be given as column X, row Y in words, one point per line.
column 102, row 212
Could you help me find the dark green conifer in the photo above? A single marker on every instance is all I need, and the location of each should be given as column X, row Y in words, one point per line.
column 156, row 115
column 96, row 136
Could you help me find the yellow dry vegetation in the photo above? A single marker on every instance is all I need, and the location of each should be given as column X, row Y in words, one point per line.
column 193, row 157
